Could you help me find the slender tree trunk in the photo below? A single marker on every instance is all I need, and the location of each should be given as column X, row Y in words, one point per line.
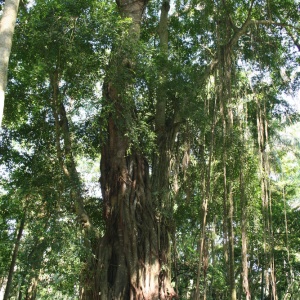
column 35, row 257
column 227, row 129
column 224, row 78
column 268, row 256
column 272, row 245
column 64, row 151
column 231, row 245
column 14, row 259
column 7, row 26
column 264, row 198
column 206, row 189
column 201, row 245
column 71, row 176
column 32, row 289
column 205, row 267
column 291, row 277
column 212, row 254
column 20, row 294
column 244, row 219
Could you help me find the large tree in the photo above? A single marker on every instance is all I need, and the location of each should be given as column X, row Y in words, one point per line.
column 133, row 259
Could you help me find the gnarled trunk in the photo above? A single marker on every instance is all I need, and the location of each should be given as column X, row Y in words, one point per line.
column 132, row 251
column 132, row 259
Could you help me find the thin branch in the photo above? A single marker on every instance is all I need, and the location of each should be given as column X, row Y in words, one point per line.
column 290, row 33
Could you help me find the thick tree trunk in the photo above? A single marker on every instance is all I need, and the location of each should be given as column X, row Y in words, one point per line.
column 14, row 259
column 132, row 261
column 135, row 265
column 7, row 26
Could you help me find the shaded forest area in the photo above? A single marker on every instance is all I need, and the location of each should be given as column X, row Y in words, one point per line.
column 150, row 150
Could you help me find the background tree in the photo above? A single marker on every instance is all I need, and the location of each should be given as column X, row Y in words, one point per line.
column 7, row 26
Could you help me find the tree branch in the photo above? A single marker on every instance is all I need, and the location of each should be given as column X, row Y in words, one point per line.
column 290, row 33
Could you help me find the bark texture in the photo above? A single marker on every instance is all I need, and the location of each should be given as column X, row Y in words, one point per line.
column 7, row 26
column 132, row 258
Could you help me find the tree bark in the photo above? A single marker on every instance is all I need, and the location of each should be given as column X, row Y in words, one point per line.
column 227, row 130
column 244, row 217
column 207, row 195
column 14, row 259
column 70, row 174
column 268, row 257
column 287, row 246
column 225, row 81
column 133, row 257
column 268, row 208
column 7, row 26
column 65, row 153
column 231, row 245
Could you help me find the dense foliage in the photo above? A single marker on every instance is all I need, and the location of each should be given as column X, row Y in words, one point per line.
column 227, row 73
